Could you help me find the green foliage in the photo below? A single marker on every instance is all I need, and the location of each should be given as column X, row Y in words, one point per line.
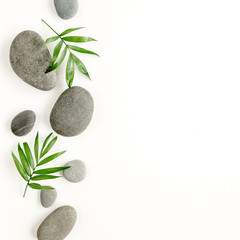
column 27, row 166
column 73, row 61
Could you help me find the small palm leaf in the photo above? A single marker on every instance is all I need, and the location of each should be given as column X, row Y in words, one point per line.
column 27, row 167
column 19, row 168
column 78, row 39
column 45, row 142
column 37, row 186
column 29, row 155
column 50, row 170
column 70, row 30
column 81, row 67
column 48, row 147
column 24, row 161
column 59, row 61
column 44, row 177
column 50, row 158
column 82, row 50
column 56, row 51
column 51, row 39
column 70, row 70
column 36, row 147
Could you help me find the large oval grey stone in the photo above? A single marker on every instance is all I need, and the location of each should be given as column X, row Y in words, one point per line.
column 58, row 224
column 23, row 123
column 76, row 172
column 72, row 112
column 48, row 197
column 30, row 61
column 66, row 9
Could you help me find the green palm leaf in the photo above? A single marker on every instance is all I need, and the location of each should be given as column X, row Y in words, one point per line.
column 50, row 158
column 59, row 61
column 82, row 50
column 70, row 71
column 70, row 30
column 24, row 161
column 43, row 177
column 36, row 147
column 51, row 39
column 45, row 142
column 29, row 155
column 37, row 186
column 81, row 67
column 78, row 39
column 48, row 147
column 51, row 170
column 27, row 167
column 19, row 168
column 56, row 51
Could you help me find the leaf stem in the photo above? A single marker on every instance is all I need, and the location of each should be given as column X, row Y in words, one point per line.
column 50, row 27
column 57, row 35
column 28, row 182
column 25, row 189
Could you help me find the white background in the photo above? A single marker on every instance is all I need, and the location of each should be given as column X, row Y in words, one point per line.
column 162, row 150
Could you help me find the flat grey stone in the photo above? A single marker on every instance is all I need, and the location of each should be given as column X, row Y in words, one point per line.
column 58, row 224
column 48, row 197
column 76, row 172
column 66, row 9
column 72, row 112
column 23, row 123
column 30, row 61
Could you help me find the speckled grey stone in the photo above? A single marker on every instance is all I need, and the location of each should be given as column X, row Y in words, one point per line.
column 30, row 60
column 48, row 197
column 72, row 112
column 76, row 172
column 23, row 123
column 58, row 224
column 66, row 9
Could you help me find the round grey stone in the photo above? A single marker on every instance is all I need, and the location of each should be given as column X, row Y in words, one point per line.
column 48, row 197
column 58, row 224
column 30, row 61
column 76, row 172
column 66, row 9
column 23, row 123
column 72, row 112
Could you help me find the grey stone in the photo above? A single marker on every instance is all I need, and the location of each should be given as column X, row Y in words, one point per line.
column 72, row 112
column 48, row 197
column 76, row 172
column 66, row 9
column 30, row 61
column 23, row 123
column 58, row 224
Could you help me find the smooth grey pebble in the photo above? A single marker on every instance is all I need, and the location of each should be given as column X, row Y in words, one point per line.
column 76, row 172
column 48, row 197
column 30, row 60
column 72, row 112
column 66, row 9
column 23, row 123
column 58, row 224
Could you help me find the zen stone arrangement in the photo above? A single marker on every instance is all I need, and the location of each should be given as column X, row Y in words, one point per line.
column 71, row 115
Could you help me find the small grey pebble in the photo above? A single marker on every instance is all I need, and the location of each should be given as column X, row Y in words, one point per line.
column 58, row 224
column 48, row 197
column 23, row 123
column 76, row 172
column 30, row 60
column 66, row 9
column 72, row 112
